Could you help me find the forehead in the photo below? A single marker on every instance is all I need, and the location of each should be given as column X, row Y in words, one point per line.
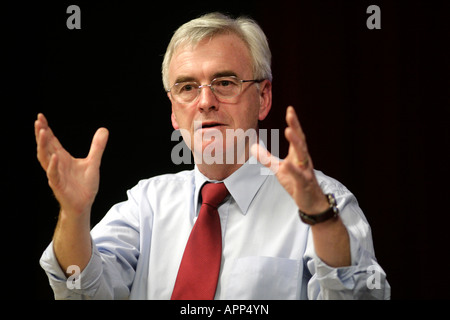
column 211, row 56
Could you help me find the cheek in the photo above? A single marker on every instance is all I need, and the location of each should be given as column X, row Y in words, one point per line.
column 248, row 117
column 181, row 117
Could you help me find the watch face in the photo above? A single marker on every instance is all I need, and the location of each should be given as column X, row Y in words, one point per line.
column 331, row 199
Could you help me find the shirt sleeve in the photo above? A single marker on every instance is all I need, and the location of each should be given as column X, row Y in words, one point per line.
column 364, row 279
column 111, row 268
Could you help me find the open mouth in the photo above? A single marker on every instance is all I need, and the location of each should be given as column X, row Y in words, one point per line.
column 209, row 125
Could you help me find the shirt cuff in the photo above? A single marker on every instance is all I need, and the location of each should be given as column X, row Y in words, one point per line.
column 336, row 279
column 341, row 278
column 84, row 286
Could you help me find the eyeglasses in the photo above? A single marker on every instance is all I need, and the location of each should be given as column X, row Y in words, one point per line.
column 226, row 89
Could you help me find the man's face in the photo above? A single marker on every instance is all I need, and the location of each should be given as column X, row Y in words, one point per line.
column 211, row 58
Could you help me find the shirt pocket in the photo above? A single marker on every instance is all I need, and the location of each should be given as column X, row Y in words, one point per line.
column 264, row 278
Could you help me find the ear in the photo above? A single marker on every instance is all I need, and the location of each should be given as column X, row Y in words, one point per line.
column 172, row 116
column 174, row 121
column 265, row 99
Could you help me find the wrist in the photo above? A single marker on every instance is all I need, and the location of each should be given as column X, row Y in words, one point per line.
column 330, row 212
column 318, row 207
column 74, row 220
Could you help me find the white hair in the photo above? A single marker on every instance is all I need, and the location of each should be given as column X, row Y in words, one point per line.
column 211, row 24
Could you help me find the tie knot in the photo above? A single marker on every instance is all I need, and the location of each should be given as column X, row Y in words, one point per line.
column 214, row 193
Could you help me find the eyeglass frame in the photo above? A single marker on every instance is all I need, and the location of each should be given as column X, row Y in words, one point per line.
column 200, row 87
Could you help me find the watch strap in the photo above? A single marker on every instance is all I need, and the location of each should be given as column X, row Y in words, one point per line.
column 331, row 212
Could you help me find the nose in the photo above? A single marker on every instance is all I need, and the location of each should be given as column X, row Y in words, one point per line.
column 207, row 100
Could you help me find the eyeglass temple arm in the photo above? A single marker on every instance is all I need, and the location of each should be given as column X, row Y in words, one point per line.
column 255, row 80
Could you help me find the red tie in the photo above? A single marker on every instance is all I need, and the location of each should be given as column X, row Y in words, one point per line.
column 199, row 269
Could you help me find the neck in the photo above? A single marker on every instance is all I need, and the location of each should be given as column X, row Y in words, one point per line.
column 219, row 170
column 217, row 164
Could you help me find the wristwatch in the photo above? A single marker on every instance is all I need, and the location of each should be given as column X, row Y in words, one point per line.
column 331, row 212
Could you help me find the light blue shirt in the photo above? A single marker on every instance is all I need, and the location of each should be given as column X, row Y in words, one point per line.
column 268, row 253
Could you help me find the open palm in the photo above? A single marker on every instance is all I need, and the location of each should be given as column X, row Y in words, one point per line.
column 296, row 172
column 74, row 181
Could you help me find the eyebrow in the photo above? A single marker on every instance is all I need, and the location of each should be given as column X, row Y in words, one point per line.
column 224, row 73
column 184, row 79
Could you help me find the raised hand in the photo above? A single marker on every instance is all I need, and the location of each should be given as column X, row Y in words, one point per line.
column 74, row 181
column 295, row 172
column 75, row 184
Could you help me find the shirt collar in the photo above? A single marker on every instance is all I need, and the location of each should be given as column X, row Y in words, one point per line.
column 243, row 184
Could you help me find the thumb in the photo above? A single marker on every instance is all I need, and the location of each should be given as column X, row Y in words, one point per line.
column 98, row 145
column 265, row 157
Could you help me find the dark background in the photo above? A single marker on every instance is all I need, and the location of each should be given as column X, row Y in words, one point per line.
column 373, row 104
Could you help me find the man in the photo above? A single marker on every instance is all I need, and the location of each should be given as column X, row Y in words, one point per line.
column 293, row 234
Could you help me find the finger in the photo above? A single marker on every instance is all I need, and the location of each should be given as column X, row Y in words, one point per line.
column 40, row 123
column 298, row 150
column 46, row 146
column 293, row 122
column 41, row 127
column 296, row 137
column 265, row 157
column 53, row 173
column 296, row 142
column 43, row 152
column 47, row 143
column 98, row 145
column 42, row 118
